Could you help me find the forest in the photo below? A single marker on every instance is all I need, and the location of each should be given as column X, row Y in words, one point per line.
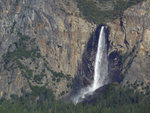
column 112, row 100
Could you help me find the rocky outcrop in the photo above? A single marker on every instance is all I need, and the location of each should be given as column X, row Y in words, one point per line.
column 46, row 43
column 52, row 38
column 128, row 50
column 84, row 75
column 129, row 41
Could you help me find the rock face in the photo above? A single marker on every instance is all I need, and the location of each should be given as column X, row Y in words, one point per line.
column 46, row 43
column 52, row 38
column 129, row 45
column 84, row 75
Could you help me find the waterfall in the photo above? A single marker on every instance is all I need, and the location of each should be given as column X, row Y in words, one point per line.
column 100, row 70
column 101, row 63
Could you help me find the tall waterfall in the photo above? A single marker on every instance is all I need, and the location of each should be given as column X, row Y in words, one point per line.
column 100, row 70
column 101, row 63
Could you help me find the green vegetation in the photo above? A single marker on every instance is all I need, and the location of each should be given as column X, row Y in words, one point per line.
column 26, row 72
column 20, row 53
column 21, row 50
column 25, row 48
column 112, row 100
column 60, row 75
column 93, row 13
column 69, row 85
column 38, row 78
column 62, row 93
column 57, row 76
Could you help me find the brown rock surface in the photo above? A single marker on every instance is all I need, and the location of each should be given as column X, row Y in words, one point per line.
column 55, row 28
column 130, row 37
column 47, row 43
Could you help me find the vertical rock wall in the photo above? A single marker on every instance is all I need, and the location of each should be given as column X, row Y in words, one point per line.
column 56, row 33
column 129, row 41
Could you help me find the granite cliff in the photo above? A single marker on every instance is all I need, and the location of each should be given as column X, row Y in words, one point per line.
column 41, row 44
column 128, row 50
column 49, row 43
column 129, row 41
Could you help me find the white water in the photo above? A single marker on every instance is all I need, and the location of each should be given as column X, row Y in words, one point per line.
column 100, row 70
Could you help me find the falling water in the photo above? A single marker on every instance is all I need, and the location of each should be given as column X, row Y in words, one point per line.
column 100, row 70
column 101, row 63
